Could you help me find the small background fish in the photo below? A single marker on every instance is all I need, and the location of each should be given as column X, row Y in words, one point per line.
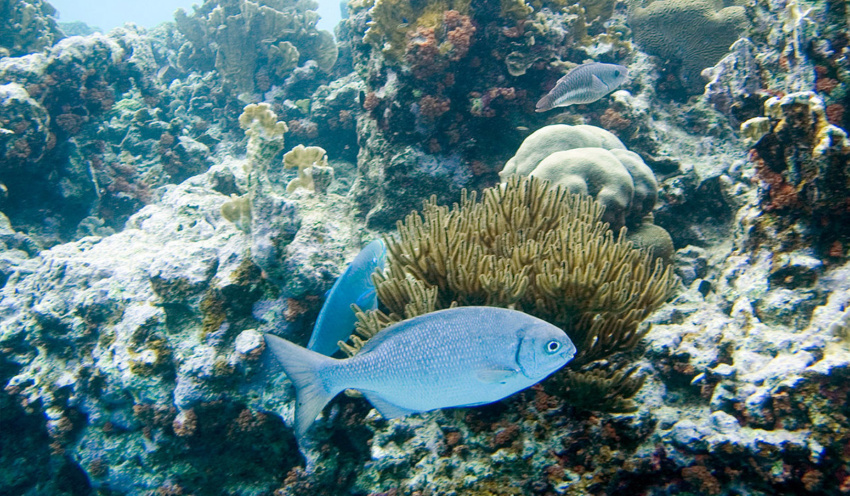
column 584, row 84
column 457, row 357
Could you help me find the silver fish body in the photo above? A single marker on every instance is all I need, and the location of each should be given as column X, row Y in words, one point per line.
column 584, row 84
column 336, row 319
column 457, row 357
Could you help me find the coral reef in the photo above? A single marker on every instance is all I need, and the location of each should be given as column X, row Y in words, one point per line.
column 253, row 45
column 140, row 380
column 27, row 26
column 314, row 174
column 528, row 247
column 441, row 77
column 147, row 241
column 130, row 376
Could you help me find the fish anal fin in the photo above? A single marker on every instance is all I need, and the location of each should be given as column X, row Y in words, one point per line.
column 496, row 375
column 385, row 408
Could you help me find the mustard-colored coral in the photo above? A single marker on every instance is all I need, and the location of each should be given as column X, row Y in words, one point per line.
column 264, row 132
column 283, row 57
column 529, row 247
column 238, row 211
column 782, row 110
column 312, row 164
column 753, row 129
column 392, row 21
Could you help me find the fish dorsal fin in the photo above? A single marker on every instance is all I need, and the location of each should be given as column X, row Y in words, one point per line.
column 496, row 374
column 598, row 84
column 386, row 334
column 385, row 408
column 564, row 77
column 571, row 71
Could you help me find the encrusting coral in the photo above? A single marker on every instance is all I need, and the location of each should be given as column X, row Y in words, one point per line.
column 801, row 161
column 525, row 246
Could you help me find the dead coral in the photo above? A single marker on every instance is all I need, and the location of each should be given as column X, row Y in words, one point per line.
column 527, row 247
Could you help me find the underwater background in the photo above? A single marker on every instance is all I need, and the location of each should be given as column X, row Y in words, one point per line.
column 169, row 194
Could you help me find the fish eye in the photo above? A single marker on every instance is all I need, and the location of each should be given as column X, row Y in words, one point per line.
column 617, row 73
column 553, row 346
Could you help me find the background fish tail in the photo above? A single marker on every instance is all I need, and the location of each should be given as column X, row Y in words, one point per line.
column 545, row 103
column 303, row 368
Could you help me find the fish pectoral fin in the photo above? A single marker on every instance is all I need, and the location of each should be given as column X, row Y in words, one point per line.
column 385, row 408
column 479, row 403
column 496, row 375
column 599, row 85
column 367, row 300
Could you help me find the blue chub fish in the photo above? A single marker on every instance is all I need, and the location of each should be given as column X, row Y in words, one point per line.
column 449, row 358
column 336, row 319
column 584, row 84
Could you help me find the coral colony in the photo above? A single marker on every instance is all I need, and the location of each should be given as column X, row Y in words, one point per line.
column 643, row 289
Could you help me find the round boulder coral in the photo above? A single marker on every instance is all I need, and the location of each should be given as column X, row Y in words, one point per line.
column 550, row 139
column 592, row 161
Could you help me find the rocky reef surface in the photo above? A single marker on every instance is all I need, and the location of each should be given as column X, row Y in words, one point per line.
column 150, row 235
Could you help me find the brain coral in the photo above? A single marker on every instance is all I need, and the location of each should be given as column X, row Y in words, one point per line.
column 696, row 33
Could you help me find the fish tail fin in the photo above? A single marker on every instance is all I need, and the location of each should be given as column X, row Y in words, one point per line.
column 303, row 367
column 545, row 103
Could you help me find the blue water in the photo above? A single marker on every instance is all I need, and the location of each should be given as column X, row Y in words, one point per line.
column 108, row 14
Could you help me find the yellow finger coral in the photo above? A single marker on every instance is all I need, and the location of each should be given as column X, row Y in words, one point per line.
column 314, row 174
column 264, row 132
